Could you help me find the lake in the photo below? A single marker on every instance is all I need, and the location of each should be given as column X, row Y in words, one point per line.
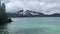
column 33, row 25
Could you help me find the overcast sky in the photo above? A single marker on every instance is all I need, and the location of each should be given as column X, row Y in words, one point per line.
column 44, row 6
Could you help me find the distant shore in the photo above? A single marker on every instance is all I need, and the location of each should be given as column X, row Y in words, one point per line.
column 24, row 17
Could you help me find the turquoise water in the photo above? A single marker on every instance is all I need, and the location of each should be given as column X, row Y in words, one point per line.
column 36, row 25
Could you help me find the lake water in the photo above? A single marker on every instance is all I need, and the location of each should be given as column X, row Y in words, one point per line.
column 36, row 25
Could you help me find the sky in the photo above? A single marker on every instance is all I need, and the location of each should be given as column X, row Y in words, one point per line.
column 44, row 6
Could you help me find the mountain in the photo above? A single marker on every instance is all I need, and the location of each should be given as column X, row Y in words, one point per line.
column 56, row 15
column 30, row 13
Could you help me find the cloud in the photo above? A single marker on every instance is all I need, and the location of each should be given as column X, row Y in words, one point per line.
column 32, row 5
column 44, row 6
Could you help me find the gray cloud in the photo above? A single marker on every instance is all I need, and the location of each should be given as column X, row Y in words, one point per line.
column 44, row 6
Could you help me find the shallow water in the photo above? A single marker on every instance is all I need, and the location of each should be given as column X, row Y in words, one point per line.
column 36, row 25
